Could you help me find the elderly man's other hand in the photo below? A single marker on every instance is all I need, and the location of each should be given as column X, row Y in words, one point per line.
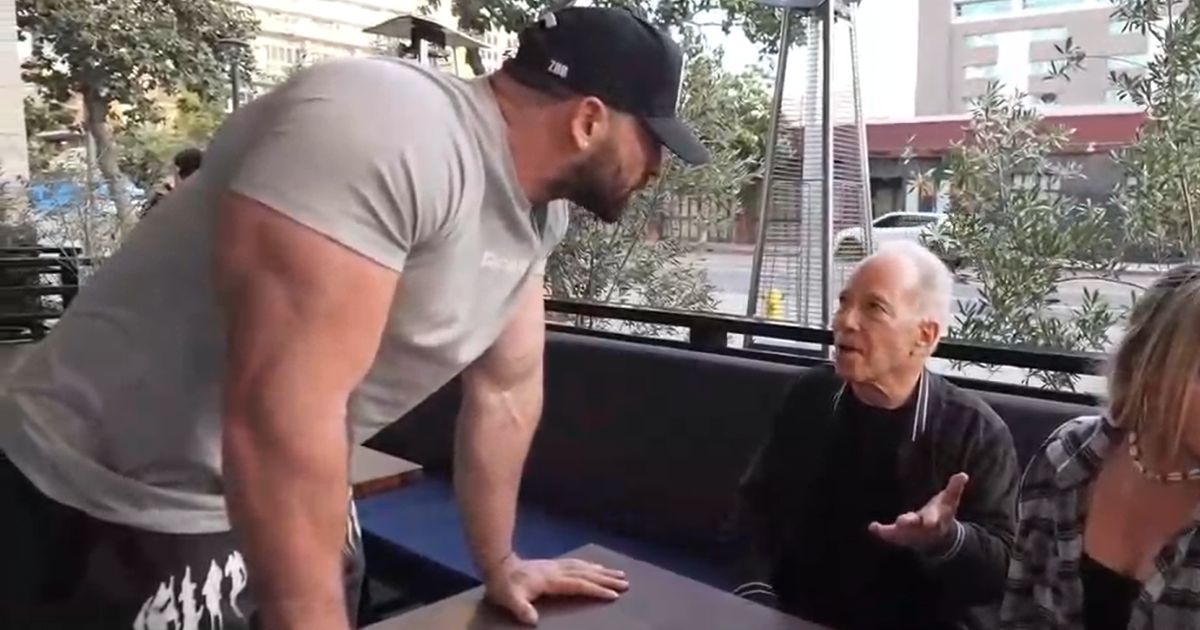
column 932, row 527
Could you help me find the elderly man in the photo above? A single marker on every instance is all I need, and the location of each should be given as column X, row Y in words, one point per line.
column 884, row 495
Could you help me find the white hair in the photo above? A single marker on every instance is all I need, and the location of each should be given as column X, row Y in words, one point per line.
column 935, row 283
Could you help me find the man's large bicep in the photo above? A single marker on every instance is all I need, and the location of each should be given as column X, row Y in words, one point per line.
column 303, row 313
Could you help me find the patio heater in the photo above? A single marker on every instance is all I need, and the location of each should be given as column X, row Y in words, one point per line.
column 424, row 37
column 815, row 180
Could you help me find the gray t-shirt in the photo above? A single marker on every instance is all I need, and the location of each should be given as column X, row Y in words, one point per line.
column 117, row 412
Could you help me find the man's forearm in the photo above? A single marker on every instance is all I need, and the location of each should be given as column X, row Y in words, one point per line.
column 495, row 429
column 288, row 501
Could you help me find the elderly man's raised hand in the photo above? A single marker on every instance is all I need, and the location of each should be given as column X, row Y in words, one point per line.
column 933, row 526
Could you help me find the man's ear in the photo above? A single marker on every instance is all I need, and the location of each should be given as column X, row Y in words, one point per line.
column 590, row 122
column 928, row 333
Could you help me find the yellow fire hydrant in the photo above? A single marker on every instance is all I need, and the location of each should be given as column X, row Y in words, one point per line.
column 774, row 304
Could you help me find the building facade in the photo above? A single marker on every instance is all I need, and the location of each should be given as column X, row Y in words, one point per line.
column 14, row 156
column 501, row 44
column 902, row 149
column 965, row 44
column 299, row 32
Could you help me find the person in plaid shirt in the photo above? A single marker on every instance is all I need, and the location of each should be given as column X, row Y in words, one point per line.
column 1109, row 508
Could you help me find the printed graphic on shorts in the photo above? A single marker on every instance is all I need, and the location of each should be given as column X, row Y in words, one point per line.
column 183, row 604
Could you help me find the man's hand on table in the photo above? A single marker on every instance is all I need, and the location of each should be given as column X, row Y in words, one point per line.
column 517, row 583
column 931, row 529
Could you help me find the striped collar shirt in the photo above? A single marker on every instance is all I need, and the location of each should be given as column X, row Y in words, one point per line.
column 1045, row 590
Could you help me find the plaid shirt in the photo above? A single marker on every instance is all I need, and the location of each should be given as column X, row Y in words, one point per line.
column 1044, row 588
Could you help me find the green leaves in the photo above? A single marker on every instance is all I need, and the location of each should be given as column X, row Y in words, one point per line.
column 129, row 52
column 1021, row 240
column 123, row 49
column 760, row 24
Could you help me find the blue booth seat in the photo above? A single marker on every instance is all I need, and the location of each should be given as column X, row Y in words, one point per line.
column 640, row 449
column 423, row 521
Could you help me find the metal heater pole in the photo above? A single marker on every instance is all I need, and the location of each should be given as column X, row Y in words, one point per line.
column 829, row 15
column 764, row 202
column 235, row 83
column 868, row 213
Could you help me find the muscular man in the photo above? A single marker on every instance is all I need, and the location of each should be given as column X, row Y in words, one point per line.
column 356, row 238
column 884, row 497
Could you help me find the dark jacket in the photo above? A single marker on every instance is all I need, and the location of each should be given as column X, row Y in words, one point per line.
column 960, row 433
column 157, row 195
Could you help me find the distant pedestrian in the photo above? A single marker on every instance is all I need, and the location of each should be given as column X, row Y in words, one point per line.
column 187, row 161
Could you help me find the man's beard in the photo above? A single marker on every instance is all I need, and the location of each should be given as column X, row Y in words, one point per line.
column 593, row 185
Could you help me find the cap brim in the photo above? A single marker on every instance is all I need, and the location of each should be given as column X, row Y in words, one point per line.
column 680, row 139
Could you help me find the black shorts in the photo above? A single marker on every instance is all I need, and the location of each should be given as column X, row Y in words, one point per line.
column 62, row 569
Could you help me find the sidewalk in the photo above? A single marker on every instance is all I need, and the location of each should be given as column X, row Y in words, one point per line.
column 726, row 248
column 1139, row 269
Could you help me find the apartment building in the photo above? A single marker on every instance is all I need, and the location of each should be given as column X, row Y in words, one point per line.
column 500, row 45
column 965, row 44
column 295, row 32
column 14, row 158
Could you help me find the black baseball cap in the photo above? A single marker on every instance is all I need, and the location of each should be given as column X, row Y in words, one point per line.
column 617, row 57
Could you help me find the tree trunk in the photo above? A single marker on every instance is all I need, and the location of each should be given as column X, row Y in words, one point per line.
column 475, row 60
column 468, row 19
column 96, row 119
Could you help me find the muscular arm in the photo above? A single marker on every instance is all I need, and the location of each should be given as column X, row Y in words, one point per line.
column 304, row 317
column 502, row 403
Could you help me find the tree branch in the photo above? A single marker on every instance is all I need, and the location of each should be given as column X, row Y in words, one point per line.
column 1108, row 279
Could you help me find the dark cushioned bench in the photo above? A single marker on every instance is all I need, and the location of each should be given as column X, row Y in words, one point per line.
column 640, row 449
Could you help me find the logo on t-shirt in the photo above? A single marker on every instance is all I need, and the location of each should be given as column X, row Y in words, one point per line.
column 491, row 260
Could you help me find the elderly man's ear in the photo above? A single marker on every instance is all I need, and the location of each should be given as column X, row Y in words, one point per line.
column 928, row 334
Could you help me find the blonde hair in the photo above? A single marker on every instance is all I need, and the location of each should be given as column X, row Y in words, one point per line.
column 1153, row 372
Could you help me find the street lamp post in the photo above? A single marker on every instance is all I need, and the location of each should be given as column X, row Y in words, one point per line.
column 233, row 48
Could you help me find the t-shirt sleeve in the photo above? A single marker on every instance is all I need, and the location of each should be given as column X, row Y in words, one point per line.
column 357, row 151
column 558, row 217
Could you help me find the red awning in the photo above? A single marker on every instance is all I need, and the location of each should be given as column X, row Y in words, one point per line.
column 1094, row 132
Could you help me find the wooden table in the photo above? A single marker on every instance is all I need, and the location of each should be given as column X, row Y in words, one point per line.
column 372, row 471
column 657, row 600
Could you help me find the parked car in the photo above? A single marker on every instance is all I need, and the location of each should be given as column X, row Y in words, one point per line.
column 893, row 226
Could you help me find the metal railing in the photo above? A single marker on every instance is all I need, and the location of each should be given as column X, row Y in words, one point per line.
column 710, row 332
column 29, row 274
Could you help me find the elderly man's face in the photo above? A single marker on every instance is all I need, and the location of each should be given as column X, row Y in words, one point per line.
column 878, row 329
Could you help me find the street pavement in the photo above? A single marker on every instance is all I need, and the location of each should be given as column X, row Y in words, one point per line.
column 729, row 272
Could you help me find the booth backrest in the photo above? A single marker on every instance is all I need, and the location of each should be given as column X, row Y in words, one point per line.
column 652, row 441
column 1031, row 420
